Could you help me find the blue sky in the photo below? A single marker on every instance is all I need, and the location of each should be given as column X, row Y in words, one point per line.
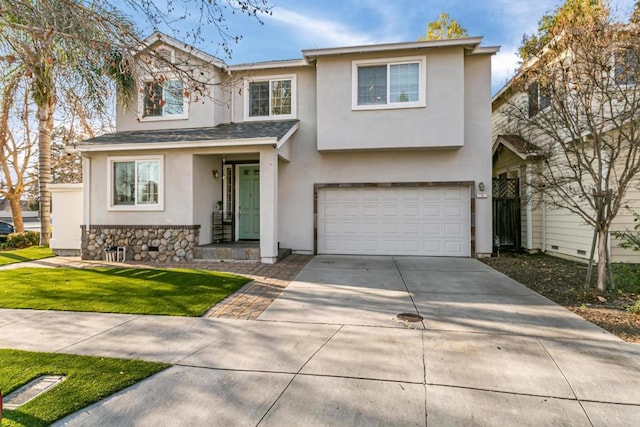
column 305, row 24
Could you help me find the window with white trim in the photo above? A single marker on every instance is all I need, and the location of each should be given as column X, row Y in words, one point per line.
column 227, row 195
column 626, row 66
column 273, row 97
column 389, row 83
column 164, row 100
column 539, row 97
column 135, row 183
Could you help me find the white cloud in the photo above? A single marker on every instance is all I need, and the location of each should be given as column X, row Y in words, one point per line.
column 319, row 32
column 503, row 66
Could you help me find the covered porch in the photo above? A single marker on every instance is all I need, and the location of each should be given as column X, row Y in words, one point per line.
column 221, row 181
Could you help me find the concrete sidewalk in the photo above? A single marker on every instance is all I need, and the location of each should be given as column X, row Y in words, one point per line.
column 331, row 351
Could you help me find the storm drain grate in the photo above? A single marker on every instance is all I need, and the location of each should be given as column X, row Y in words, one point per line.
column 410, row 317
column 31, row 390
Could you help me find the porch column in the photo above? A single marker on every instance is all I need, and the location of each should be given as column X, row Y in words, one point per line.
column 528, row 209
column 268, row 206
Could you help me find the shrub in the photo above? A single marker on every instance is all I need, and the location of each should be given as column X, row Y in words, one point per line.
column 627, row 277
column 22, row 240
column 635, row 308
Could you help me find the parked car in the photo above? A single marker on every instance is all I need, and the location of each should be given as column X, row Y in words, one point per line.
column 6, row 228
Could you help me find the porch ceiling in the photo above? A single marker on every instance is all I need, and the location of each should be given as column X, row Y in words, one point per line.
column 226, row 134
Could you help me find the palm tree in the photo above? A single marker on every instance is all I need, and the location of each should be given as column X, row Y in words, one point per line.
column 65, row 44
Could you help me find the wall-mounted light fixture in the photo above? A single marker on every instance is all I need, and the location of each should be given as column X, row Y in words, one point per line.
column 481, row 186
column 215, row 173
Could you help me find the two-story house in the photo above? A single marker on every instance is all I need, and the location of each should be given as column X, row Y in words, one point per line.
column 374, row 150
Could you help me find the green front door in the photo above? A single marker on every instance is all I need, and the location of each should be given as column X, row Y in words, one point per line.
column 249, row 202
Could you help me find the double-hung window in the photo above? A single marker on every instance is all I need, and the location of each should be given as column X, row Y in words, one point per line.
column 390, row 83
column 273, row 97
column 164, row 100
column 135, row 183
column 539, row 98
column 626, row 65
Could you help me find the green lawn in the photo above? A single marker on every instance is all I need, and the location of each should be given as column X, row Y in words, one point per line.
column 21, row 255
column 173, row 292
column 88, row 380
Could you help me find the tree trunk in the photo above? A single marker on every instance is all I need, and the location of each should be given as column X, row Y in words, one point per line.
column 603, row 235
column 16, row 211
column 45, row 127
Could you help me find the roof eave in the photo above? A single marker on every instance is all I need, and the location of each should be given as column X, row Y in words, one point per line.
column 211, row 143
column 268, row 65
column 473, row 42
column 287, row 135
column 485, row 50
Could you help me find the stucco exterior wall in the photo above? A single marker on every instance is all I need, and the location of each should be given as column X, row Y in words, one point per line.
column 440, row 124
column 66, row 215
column 207, row 108
column 178, row 188
column 477, row 141
column 206, row 192
column 305, row 76
column 308, row 166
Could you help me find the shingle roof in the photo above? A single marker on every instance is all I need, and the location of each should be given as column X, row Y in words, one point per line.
column 225, row 131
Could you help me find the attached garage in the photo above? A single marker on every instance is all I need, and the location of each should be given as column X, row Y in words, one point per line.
column 394, row 220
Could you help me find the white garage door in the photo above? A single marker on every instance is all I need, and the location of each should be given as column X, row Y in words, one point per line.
column 394, row 221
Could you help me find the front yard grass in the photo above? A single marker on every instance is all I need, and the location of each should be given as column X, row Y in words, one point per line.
column 174, row 292
column 88, row 380
column 22, row 255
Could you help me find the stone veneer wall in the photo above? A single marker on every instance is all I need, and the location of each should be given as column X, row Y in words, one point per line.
column 174, row 243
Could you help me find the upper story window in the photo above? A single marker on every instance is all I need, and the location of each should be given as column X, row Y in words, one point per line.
column 626, row 66
column 539, row 98
column 164, row 100
column 271, row 97
column 389, row 83
column 135, row 183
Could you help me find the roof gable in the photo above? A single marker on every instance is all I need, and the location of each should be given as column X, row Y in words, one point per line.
column 517, row 145
column 160, row 38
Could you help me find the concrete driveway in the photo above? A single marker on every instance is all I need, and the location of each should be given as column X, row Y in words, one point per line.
column 331, row 351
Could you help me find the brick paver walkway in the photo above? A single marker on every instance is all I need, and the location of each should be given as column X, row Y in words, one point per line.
column 269, row 280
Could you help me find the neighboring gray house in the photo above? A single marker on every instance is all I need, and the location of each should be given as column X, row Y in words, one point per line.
column 376, row 150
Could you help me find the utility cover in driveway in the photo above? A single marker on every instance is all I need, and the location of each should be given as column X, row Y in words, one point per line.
column 432, row 221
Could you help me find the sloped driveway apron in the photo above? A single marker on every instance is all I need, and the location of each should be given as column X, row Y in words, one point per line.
column 331, row 351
